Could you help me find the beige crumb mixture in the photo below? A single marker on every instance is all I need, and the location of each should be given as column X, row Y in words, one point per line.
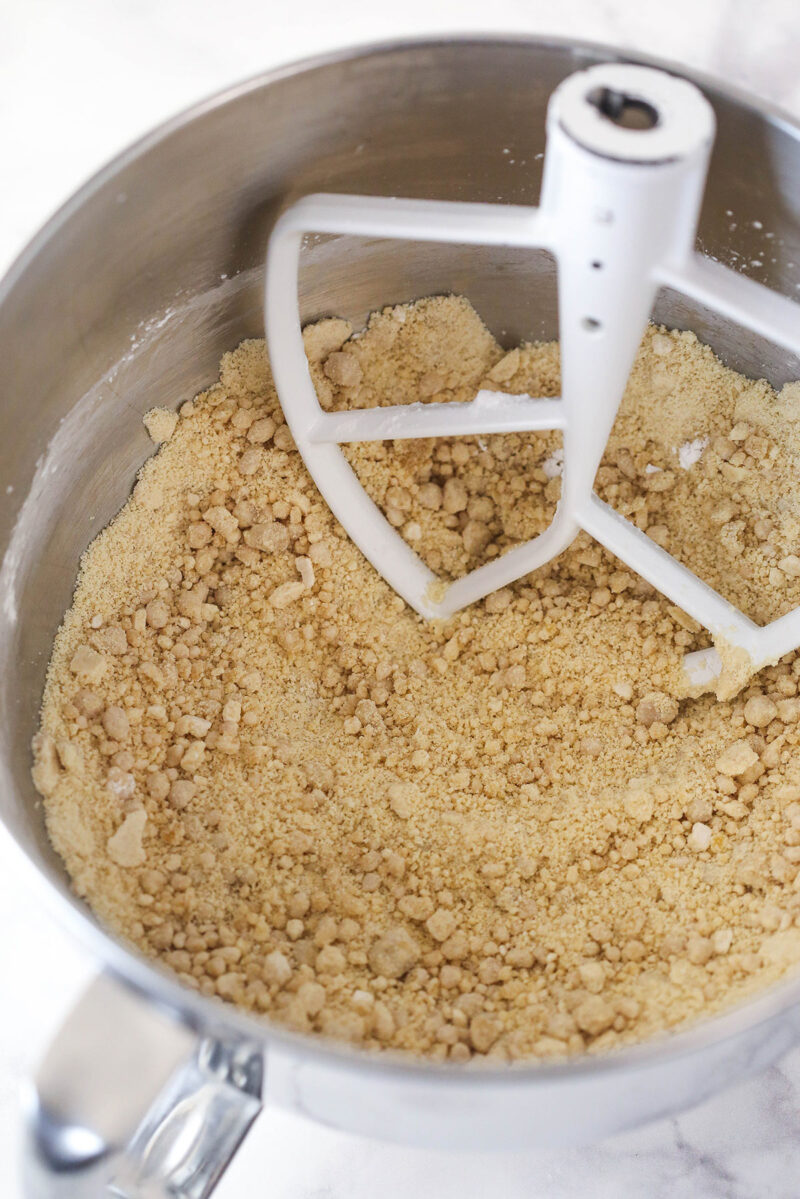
column 500, row 837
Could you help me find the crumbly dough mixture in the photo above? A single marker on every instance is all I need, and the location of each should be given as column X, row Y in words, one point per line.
column 501, row 837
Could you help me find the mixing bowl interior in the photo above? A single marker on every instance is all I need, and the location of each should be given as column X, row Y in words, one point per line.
column 132, row 293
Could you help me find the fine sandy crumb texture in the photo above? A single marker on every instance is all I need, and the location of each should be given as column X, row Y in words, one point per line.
column 500, row 837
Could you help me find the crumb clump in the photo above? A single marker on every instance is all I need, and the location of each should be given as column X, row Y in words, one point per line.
column 503, row 837
column 160, row 423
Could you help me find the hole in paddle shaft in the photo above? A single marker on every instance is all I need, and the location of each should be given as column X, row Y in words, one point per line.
column 625, row 111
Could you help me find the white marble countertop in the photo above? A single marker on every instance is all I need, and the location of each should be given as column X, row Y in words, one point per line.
column 80, row 80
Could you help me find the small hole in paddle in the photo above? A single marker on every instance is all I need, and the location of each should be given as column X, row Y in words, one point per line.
column 628, row 112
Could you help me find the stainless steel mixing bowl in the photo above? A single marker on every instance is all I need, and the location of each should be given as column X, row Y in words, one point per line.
column 127, row 298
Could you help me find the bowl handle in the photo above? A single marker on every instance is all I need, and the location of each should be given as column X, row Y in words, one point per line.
column 129, row 1101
